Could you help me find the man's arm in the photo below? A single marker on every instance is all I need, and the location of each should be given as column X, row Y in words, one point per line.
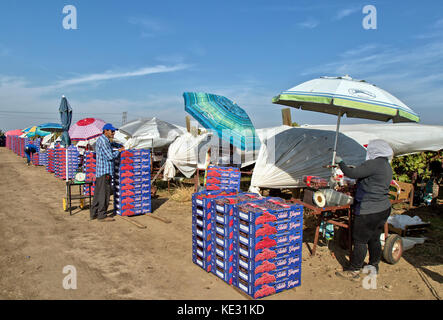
column 362, row 171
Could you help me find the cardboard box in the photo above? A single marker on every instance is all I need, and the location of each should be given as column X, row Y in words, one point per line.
column 269, row 253
column 265, row 290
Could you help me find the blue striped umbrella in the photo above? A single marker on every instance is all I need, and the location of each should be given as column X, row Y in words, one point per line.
column 221, row 115
column 51, row 127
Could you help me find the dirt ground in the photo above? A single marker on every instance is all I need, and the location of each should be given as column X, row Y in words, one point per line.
column 118, row 260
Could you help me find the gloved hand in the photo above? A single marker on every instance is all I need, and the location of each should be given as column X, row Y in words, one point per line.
column 338, row 159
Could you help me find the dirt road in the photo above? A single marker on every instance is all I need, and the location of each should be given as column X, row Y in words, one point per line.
column 118, row 260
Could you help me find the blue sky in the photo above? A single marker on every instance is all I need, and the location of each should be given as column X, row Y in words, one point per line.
column 140, row 56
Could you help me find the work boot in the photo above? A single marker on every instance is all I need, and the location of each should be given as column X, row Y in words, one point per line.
column 348, row 274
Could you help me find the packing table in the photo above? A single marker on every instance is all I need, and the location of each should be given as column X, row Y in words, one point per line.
column 67, row 202
column 336, row 215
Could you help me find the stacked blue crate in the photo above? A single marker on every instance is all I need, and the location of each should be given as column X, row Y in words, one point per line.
column 43, row 158
column 132, row 184
column 66, row 170
column 89, row 168
column 203, row 241
column 221, row 178
column 269, row 234
column 50, row 164
column 225, row 266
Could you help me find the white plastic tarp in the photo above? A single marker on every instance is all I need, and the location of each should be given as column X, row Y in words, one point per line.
column 187, row 153
column 404, row 138
column 286, row 156
column 149, row 133
column 46, row 140
column 183, row 153
column 294, row 156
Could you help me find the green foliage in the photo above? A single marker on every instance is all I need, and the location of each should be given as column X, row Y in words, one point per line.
column 404, row 167
column 295, row 124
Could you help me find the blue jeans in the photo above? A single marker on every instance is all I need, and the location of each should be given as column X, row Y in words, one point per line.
column 28, row 156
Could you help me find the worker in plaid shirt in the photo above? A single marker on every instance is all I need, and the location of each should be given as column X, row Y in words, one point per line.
column 104, row 173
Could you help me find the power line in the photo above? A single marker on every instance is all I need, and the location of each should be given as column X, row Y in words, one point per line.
column 40, row 112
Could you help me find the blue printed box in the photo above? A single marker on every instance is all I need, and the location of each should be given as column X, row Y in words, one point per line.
column 132, row 192
column 265, row 290
column 202, row 223
column 201, row 232
column 202, row 252
column 269, row 241
column 134, row 212
column 224, row 230
column 268, row 228
column 250, row 266
column 269, row 252
column 221, row 187
column 132, row 186
column 201, row 262
column 258, row 212
column 225, row 242
column 224, row 252
column 227, row 204
column 227, row 264
column 205, row 197
column 270, row 276
column 132, row 205
column 203, row 243
column 200, row 212
column 225, row 275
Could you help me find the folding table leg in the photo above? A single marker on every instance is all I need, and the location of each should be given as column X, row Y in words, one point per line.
column 317, row 231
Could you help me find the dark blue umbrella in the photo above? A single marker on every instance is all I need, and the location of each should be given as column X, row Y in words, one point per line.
column 66, row 118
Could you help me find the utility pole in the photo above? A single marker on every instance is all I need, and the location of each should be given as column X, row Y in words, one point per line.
column 124, row 118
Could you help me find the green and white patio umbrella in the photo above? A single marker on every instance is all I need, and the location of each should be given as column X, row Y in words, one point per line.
column 346, row 96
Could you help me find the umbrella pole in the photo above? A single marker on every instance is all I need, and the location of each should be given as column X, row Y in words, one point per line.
column 334, row 152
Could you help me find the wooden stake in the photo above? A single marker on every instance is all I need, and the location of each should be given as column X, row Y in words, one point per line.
column 159, row 218
column 286, row 117
column 188, row 123
column 141, row 226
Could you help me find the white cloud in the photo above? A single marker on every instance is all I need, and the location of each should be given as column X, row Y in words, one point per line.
column 359, row 50
column 41, row 102
column 150, row 27
column 308, row 24
column 118, row 75
column 343, row 13
column 413, row 75
column 435, row 31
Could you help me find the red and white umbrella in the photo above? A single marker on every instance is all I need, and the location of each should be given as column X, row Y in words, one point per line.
column 86, row 129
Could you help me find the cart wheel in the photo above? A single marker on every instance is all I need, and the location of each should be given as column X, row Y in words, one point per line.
column 393, row 249
column 82, row 204
column 65, row 204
